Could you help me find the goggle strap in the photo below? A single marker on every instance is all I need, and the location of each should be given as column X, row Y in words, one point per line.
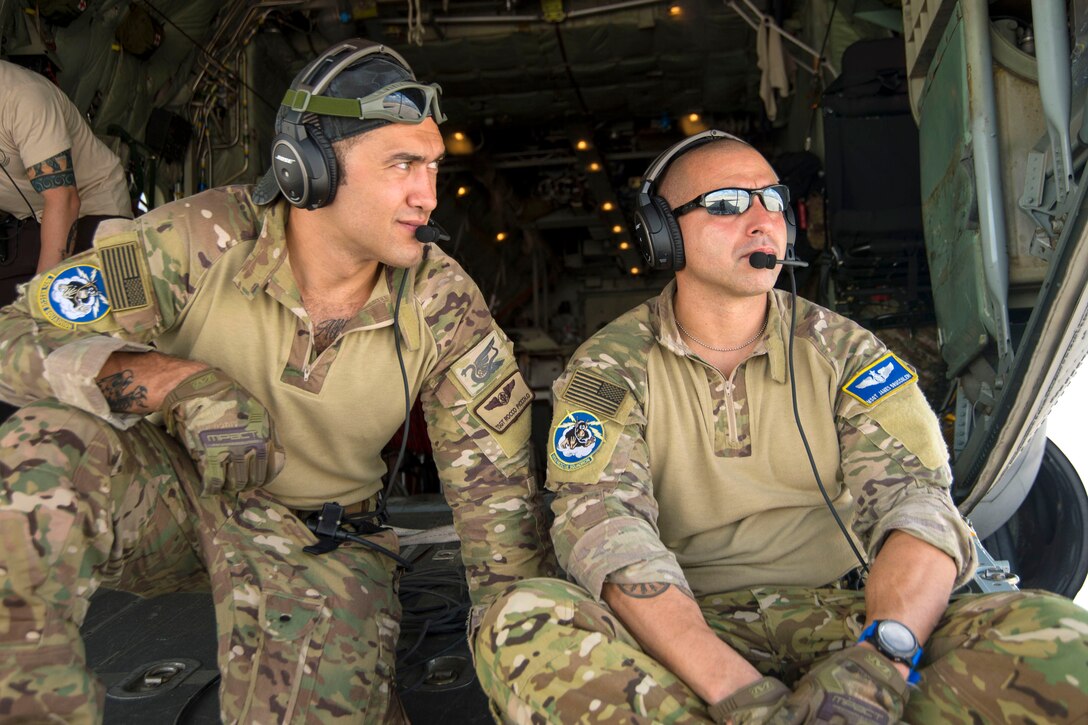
column 305, row 102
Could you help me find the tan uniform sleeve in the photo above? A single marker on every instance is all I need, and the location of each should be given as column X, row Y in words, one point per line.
column 895, row 463
column 39, row 132
column 605, row 526
column 478, row 409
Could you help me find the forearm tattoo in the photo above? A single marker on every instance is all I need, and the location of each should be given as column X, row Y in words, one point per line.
column 54, row 172
column 643, row 591
column 121, row 394
column 326, row 333
column 70, row 245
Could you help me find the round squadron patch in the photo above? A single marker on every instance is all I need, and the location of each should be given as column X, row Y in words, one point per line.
column 74, row 296
column 575, row 439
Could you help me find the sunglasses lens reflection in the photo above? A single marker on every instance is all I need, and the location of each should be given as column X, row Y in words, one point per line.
column 726, row 202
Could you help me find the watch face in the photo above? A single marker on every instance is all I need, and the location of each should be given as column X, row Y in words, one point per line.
column 896, row 637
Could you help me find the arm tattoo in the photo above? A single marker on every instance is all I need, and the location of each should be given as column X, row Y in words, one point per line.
column 326, row 333
column 122, row 399
column 643, row 591
column 70, row 245
column 54, row 172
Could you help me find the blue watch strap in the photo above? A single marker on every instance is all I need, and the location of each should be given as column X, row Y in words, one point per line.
column 912, row 676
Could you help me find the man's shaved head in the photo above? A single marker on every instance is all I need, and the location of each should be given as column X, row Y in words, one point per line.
column 678, row 185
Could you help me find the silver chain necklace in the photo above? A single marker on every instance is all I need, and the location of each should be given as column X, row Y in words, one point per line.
column 723, row 349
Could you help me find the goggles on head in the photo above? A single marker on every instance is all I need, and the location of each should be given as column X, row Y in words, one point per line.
column 402, row 102
column 729, row 202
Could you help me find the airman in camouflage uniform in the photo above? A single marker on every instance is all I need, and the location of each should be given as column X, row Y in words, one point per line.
column 268, row 369
column 708, row 572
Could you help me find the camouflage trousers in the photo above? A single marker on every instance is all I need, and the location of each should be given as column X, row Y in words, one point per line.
column 547, row 652
column 302, row 638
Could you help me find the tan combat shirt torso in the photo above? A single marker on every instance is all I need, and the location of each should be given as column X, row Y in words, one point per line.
column 209, row 278
column 37, row 122
column 702, row 481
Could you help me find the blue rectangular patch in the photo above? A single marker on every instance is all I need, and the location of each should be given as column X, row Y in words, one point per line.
column 879, row 380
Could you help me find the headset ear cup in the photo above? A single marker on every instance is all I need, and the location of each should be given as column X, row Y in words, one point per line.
column 672, row 239
column 791, row 226
column 324, row 188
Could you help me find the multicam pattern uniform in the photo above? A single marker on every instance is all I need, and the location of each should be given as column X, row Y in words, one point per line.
column 91, row 498
column 552, row 651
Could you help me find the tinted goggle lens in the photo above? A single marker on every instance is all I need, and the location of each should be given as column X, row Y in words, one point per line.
column 409, row 104
column 726, row 202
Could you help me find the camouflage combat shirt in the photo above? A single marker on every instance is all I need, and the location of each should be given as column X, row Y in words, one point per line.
column 667, row 471
column 208, row 278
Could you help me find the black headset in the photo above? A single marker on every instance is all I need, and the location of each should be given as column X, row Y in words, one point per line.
column 656, row 230
column 302, row 157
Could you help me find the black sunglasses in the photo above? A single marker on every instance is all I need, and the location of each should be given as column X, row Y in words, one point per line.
column 727, row 202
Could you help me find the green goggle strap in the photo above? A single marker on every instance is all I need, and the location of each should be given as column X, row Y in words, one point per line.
column 370, row 107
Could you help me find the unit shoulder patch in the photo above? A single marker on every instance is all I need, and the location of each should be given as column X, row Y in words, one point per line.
column 592, row 391
column 879, row 380
column 74, row 296
column 506, row 403
column 575, row 439
column 475, row 368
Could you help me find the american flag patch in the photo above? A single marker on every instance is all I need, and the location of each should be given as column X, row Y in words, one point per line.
column 125, row 286
column 595, row 393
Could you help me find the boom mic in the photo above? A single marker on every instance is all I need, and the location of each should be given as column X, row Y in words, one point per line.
column 762, row 260
column 431, row 232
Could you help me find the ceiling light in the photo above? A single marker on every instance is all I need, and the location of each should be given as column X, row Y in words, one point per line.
column 594, row 167
column 581, row 144
column 500, row 237
column 625, row 245
column 607, row 206
column 693, row 123
column 462, row 190
column 675, row 10
column 617, row 229
column 458, row 143
column 635, row 271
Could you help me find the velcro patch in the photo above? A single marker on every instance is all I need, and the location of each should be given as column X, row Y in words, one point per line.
column 879, row 380
column 507, row 402
column 575, row 439
column 476, row 367
column 126, row 281
column 74, row 296
column 594, row 392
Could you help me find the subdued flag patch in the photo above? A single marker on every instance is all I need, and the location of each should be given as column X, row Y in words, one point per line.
column 507, row 402
column 126, row 286
column 594, row 392
column 879, row 380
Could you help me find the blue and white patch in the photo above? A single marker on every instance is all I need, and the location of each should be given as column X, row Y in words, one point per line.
column 575, row 439
column 879, row 380
column 74, row 296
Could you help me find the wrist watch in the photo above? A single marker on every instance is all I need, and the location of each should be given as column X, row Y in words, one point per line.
column 894, row 640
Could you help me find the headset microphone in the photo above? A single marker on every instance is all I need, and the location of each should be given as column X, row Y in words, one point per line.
column 762, row 260
column 431, row 232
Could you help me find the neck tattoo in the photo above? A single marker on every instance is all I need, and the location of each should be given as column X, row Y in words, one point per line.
column 722, row 349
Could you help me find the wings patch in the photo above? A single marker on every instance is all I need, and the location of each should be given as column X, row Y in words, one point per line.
column 879, row 380
column 506, row 404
